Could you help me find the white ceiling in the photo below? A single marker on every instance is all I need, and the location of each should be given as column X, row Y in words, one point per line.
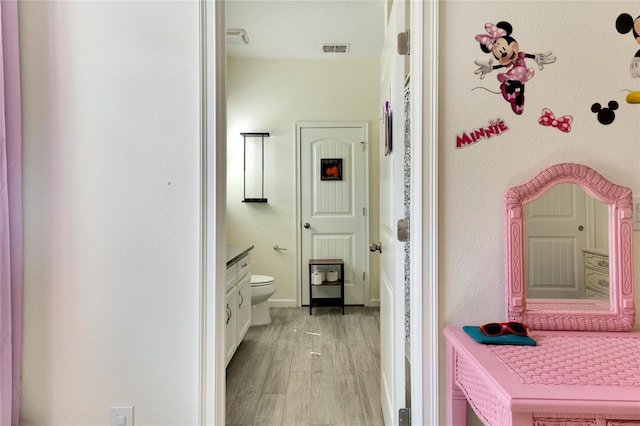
column 298, row 28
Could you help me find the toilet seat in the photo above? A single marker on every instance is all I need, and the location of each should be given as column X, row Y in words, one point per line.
column 261, row 280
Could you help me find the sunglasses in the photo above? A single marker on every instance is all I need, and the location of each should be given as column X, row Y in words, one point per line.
column 500, row 328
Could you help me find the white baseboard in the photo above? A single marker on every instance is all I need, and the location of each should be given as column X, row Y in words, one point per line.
column 291, row 303
column 283, row 303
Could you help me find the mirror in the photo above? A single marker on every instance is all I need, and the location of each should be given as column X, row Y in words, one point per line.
column 567, row 246
column 569, row 262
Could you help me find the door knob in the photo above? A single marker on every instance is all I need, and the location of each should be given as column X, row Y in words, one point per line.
column 307, row 225
column 373, row 247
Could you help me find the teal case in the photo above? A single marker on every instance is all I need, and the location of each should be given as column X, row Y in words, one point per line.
column 504, row 339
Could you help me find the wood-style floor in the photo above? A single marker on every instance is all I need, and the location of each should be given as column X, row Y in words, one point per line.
column 320, row 369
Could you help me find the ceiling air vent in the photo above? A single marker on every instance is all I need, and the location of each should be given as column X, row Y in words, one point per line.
column 335, row 48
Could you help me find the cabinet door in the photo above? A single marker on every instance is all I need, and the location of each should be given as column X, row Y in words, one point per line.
column 231, row 325
column 244, row 306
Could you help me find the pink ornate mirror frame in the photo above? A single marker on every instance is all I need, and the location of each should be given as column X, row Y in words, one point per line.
column 571, row 314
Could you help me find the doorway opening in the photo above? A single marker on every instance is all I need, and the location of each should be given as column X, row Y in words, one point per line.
column 271, row 95
column 212, row 397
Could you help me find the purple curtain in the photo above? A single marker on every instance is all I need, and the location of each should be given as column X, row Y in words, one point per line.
column 10, row 216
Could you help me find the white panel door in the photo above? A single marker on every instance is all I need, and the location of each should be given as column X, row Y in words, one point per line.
column 333, row 203
column 392, row 308
column 555, row 236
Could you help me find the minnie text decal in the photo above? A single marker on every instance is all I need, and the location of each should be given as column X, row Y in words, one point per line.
column 495, row 127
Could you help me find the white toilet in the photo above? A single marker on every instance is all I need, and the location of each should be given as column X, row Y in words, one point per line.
column 262, row 288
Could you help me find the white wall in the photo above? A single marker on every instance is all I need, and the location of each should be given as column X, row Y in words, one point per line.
column 592, row 66
column 271, row 96
column 111, row 200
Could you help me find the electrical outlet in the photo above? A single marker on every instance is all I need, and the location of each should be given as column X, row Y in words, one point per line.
column 121, row 415
column 636, row 213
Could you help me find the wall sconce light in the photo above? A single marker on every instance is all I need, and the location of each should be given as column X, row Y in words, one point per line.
column 253, row 169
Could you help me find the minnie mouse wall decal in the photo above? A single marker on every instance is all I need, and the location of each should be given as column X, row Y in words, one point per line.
column 505, row 49
column 624, row 24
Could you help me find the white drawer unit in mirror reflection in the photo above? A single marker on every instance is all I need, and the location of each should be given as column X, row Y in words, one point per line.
column 596, row 276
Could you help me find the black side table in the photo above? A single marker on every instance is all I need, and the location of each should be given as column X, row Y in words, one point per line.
column 326, row 301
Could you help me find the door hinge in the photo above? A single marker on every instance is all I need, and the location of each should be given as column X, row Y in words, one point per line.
column 403, row 230
column 404, row 44
column 364, row 146
column 405, row 417
column 364, row 211
column 363, row 276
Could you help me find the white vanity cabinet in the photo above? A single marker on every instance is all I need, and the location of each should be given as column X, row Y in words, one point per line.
column 237, row 304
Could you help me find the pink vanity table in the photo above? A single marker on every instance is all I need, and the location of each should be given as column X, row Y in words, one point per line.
column 570, row 378
column 588, row 374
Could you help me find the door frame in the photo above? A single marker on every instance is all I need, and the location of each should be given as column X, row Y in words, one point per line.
column 213, row 212
column 425, row 320
column 425, row 382
column 299, row 268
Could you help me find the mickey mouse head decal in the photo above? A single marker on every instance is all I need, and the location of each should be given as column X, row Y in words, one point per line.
column 605, row 115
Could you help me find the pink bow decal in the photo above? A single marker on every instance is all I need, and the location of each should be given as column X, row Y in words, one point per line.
column 548, row 119
column 494, row 33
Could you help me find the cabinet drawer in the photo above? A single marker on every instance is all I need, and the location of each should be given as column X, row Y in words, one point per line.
column 596, row 285
column 591, row 294
column 597, row 262
column 597, row 281
column 564, row 422
column 231, row 276
column 244, row 265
